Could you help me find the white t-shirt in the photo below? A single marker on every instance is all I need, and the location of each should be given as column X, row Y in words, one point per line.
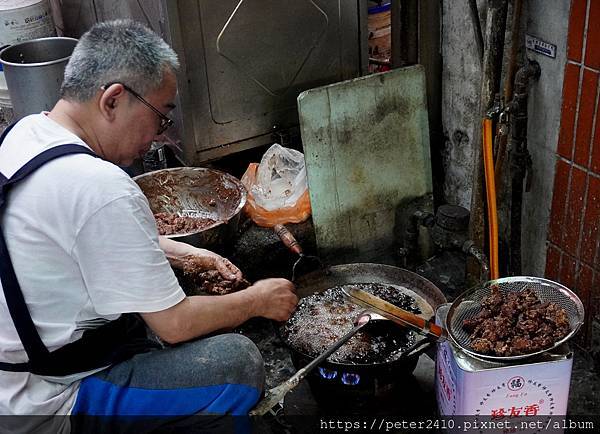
column 84, row 246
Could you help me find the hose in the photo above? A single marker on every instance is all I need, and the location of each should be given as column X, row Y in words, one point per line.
column 490, row 189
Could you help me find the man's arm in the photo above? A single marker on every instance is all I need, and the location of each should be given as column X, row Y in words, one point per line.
column 199, row 315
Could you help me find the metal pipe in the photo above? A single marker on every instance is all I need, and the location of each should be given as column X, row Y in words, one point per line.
column 471, row 249
column 405, row 32
column 520, row 160
column 490, row 83
column 474, row 13
column 411, row 235
column 501, row 155
column 514, row 49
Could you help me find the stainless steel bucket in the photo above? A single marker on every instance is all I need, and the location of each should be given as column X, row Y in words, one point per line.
column 34, row 72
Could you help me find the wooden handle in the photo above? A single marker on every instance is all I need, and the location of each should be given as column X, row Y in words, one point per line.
column 272, row 397
column 437, row 331
column 409, row 318
column 288, row 239
column 394, row 313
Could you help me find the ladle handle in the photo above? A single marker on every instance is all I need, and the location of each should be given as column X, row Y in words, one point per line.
column 276, row 394
column 273, row 396
column 288, row 239
column 395, row 313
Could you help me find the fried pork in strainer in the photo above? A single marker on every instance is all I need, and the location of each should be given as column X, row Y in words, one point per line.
column 516, row 323
column 514, row 318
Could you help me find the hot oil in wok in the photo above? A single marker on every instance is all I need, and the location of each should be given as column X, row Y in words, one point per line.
column 321, row 319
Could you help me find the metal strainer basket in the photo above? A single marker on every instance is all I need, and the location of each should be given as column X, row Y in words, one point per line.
column 468, row 304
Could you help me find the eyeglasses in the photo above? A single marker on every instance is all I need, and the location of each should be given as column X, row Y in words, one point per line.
column 165, row 122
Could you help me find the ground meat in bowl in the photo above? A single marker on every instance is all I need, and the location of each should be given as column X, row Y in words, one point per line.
column 171, row 224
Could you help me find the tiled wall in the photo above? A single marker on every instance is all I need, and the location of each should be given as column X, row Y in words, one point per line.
column 574, row 237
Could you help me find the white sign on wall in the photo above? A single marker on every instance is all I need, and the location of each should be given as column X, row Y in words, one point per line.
column 539, row 46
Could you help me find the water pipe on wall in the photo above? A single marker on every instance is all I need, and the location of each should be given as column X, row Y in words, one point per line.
column 490, row 84
column 502, row 137
column 520, row 160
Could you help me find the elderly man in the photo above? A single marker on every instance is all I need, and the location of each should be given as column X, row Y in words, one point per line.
column 83, row 270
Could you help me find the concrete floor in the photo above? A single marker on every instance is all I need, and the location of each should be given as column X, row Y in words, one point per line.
column 584, row 398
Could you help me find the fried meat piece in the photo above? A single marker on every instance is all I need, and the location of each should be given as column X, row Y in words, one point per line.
column 516, row 323
column 471, row 323
column 482, row 346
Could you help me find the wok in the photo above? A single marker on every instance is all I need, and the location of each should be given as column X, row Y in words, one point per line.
column 376, row 379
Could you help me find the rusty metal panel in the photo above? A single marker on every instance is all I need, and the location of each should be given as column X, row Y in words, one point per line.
column 243, row 62
column 246, row 61
column 366, row 144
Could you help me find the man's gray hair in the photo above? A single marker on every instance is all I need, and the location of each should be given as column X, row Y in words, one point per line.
column 122, row 51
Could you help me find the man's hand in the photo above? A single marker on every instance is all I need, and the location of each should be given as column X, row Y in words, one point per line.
column 205, row 260
column 179, row 253
column 273, row 298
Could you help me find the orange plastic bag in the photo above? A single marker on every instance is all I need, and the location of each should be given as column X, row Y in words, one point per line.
column 297, row 213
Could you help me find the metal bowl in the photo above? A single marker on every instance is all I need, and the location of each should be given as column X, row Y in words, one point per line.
column 211, row 193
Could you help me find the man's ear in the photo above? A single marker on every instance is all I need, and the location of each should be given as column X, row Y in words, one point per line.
column 109, row 100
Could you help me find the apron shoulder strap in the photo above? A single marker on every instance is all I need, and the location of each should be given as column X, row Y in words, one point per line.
column 46, row 156
column 6, row 131
column 32, row 343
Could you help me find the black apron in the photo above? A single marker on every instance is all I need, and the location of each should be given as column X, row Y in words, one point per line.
column 112, row 342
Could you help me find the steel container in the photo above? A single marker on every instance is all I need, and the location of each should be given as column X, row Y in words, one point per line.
column 217, row 194
column 34, row 72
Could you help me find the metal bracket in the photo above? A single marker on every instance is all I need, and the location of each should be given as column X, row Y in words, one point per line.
column 495, row 109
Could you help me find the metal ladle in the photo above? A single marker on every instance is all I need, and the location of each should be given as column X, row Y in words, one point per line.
column 276, row 394
column 292, row 244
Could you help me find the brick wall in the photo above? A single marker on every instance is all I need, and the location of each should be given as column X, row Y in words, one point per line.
column 573, row 256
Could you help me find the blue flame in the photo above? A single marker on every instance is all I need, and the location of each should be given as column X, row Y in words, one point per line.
column 327, row 373
column 350, row 379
